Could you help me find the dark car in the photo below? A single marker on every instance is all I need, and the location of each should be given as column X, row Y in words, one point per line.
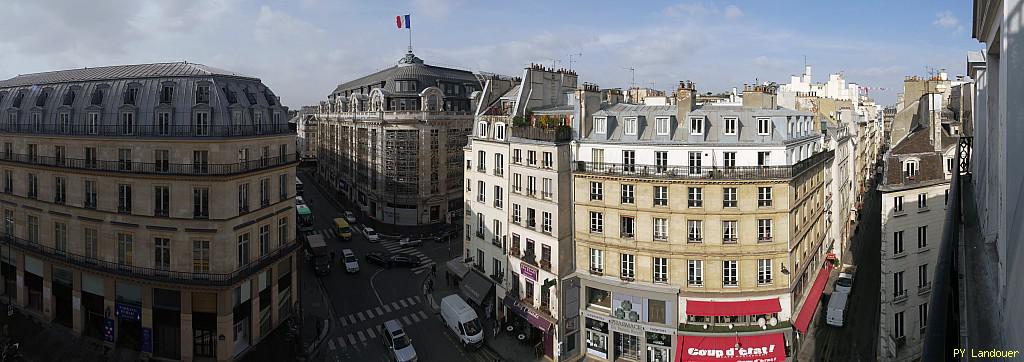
column 379, row 258
column 405, row 260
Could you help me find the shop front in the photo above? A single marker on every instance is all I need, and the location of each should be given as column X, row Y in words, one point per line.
column 128, row 310
column 530, row 326
column 613, row 339
column 732, row 348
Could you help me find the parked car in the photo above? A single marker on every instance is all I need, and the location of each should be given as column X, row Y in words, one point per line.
column 406, row 242
column 350, row 217
column 845, row 281
column 379, row 258
column 350, row 261
column 405, row 260
column 371, row 235
column 397, row 344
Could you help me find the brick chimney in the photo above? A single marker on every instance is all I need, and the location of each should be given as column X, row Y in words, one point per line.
column 685, row 98
column 759, row 96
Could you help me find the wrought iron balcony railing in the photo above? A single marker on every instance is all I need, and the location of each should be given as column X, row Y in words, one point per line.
column 162, row 168
column 703, row 172
column 132, row 131
column 192, row 278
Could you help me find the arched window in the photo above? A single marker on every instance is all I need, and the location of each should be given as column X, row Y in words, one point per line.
column 433, row 102
column 910, row 167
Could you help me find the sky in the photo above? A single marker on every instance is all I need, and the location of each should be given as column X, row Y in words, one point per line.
column 302, row 49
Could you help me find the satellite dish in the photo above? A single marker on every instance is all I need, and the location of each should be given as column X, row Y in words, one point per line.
column 761, row 322
column 774, row 321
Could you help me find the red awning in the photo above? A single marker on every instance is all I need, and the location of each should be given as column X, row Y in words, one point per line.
column 735, row 308
column 813, row 296
column 763, row 348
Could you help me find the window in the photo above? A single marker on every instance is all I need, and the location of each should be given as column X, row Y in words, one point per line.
column 762, row 158
column 124, row 198
column 33, row 186
column 600, row 125
column 629, row 126
column 695, row 197
column 201, row 203
column 627, row 193
column 656, row 312
column 660, row 195
column 596, row 260
column 517, row 156
column 922, row 316
column 546, row 222
column 660, row 161
column 162, row 253
column 764, row 126
column 897, row 204
column 92, row 123
column 729, row 231
column 730, row 273
column 597, row 155
column 124, row 159
column 161, row 200
column 60, row 190
column 897, row 285
column 729, row 159
column 897, row 325
column 499, row 164
column 282, row 231
column 90, row 157
column 481, row 191
column 922, row 276
column 764, row 197
column 596, row 222
column 498, row 197
column 628, row 160
column 764, row 230
column 127, row 123
column 729, row 197
column 897, row 242
column 264, row 239
column 531, row 185
column 203, row 94
column 627, row 226
column 922, row 237
column 660, row 229
column 546, row 188
column 730, row 126
column 695, row 230
column 695, row 273
column 661, row 125
column 481, row 129
column 695, row 163
column 162, row 160
column 910, row 168
column 531, row 218
column 91, row 241
column 764, row 271
column 166, row 94
column 33, row 229
column 628, row 265
column 90, row 194
column 516, row 214
column 696, row 126
column 125, row 253
column 499, row 131
column 517, row 182
column 548, row 160
column 531, row 157
column 243, row 197
column 596, row 191
column 480, row 225
column 545, row 254
column 481, row 161
column 200, row 161
column 243, row 249
column 60, row 237
column 201, row 256
column 201, row 126
column 8, row 181
column 922, row 201
column 282, row 182
column 660, row 270
column 131, row 95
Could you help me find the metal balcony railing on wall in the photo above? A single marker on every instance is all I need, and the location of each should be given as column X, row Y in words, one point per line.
column 161, row 168
column 188, row 131
column 703, row 172
column 207, row 279
column 942, row 333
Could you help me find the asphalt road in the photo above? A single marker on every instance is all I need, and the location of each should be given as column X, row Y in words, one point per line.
column 364, row 300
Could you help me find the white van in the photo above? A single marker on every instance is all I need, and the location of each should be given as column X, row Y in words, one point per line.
column 462, row 320
column 836, row 311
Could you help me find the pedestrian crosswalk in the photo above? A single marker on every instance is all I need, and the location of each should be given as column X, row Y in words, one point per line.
column 391, row 246
column 360, row 337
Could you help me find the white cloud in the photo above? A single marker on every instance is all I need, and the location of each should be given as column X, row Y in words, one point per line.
column 733, row 12
column 698, row 10
column 434, row 8
column 946, row 19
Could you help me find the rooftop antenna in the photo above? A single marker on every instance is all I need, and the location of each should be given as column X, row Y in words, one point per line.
column 632, row 72
column 652, row 84
column 570, row 58
column 553, row 62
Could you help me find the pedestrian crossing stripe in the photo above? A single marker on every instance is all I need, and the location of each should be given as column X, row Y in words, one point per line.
column 368, row 314
column 363, row 335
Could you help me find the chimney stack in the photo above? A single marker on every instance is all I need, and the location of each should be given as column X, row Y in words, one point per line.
column 685, row 99
column 759, row 96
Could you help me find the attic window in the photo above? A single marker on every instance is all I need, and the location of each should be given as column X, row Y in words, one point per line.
column 910, row 168
column 203, row 94
column 600, row 125
column 97, row 97
column 230, row 94
column 166, row 94
column 696, row 127
column 271, row 100
column 41, row 99
column 17, row 100
column 69, row 98
column 250, row 97
column 730, row 126
column 131, row 95
column 630, row 126
column 764, row 126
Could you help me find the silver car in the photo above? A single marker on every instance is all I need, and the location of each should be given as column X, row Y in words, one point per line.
column 396, row 342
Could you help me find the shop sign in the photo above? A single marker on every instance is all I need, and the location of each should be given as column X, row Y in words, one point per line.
column 658, row 339
column 619, row 325
column 108, row 330
column 128, row 312
column 528, row 271
column 597, row 326
column 761, row 348
column 147, row 339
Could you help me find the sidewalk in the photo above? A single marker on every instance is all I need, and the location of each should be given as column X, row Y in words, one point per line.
column 40, row 341
column 500, row 347
column 385, row 230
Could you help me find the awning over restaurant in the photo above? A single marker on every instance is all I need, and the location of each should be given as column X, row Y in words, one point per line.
column 457, row 267
column 521, row 309
column 762, row 347
column 813, row 296
column 732, row 308
column 476, row 287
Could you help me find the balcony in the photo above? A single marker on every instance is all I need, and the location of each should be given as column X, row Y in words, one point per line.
column 499, row 172
column 596, row 271
column 703, row 172
column 481, row 168
column 900, row 296
column 164, row 276
column 156, row 168
column 545, row 194
column 514, row 251
column 545, row 264
column 557, row 134
column 923, row 289
column 530, row 258
column 182, row 131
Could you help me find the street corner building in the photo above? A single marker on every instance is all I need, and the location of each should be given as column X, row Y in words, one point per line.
column 391, row 142
column 149, row 206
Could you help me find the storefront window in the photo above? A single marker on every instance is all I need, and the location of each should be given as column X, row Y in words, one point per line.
column 627, row 347
column 659, row 347
column 597, row 344
column 598, row 297
column 656, row 311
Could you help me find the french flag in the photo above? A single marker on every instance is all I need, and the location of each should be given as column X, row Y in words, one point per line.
column 402, row 21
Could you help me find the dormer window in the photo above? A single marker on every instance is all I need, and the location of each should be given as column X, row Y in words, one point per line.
column 481, row 129
column 910, row 168
column 203, row 94
column 131, row 95
column 271, row 100
column 41, row 99
column 17, row 100
column 696, row 126
column 629, row 126
column 97, row 97
column 662, row 126
column 764, row 126
column 250, row 97
column 167, row 93
column 230, row 94
column 730, row 126
column 499, row 131
column 69, row 98
column 600, row 125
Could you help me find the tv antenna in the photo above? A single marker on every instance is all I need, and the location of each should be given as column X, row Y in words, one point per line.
column 632, row 72
column 553, row 62
column 570, row 58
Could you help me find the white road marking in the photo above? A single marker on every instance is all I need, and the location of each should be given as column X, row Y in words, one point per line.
column 406, row 320
column 341, row 342
column 330, row 344
column 412, row 301
column 417, row 298
column 361, row 316
column 343, row 321
column 369, row 332
column 379, row 312
column 374, row 287
column 422, row 314
column 352, row 319
column 394, row 305
column 402, row 302
column 369, row 314
column 387, row 308
column 415, row 318
column 362, row 337
column 351, row 339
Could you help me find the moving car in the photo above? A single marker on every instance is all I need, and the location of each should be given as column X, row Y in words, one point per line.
column 405, row 260
column 379, row 258
column 371, row 235
column 299, row 200
column 320, row 254
column 350, row 217
column 462, row 320
column 408, row 243
column 397, row 344
column 342, row 228
column 350, row 261
column 835, row 314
